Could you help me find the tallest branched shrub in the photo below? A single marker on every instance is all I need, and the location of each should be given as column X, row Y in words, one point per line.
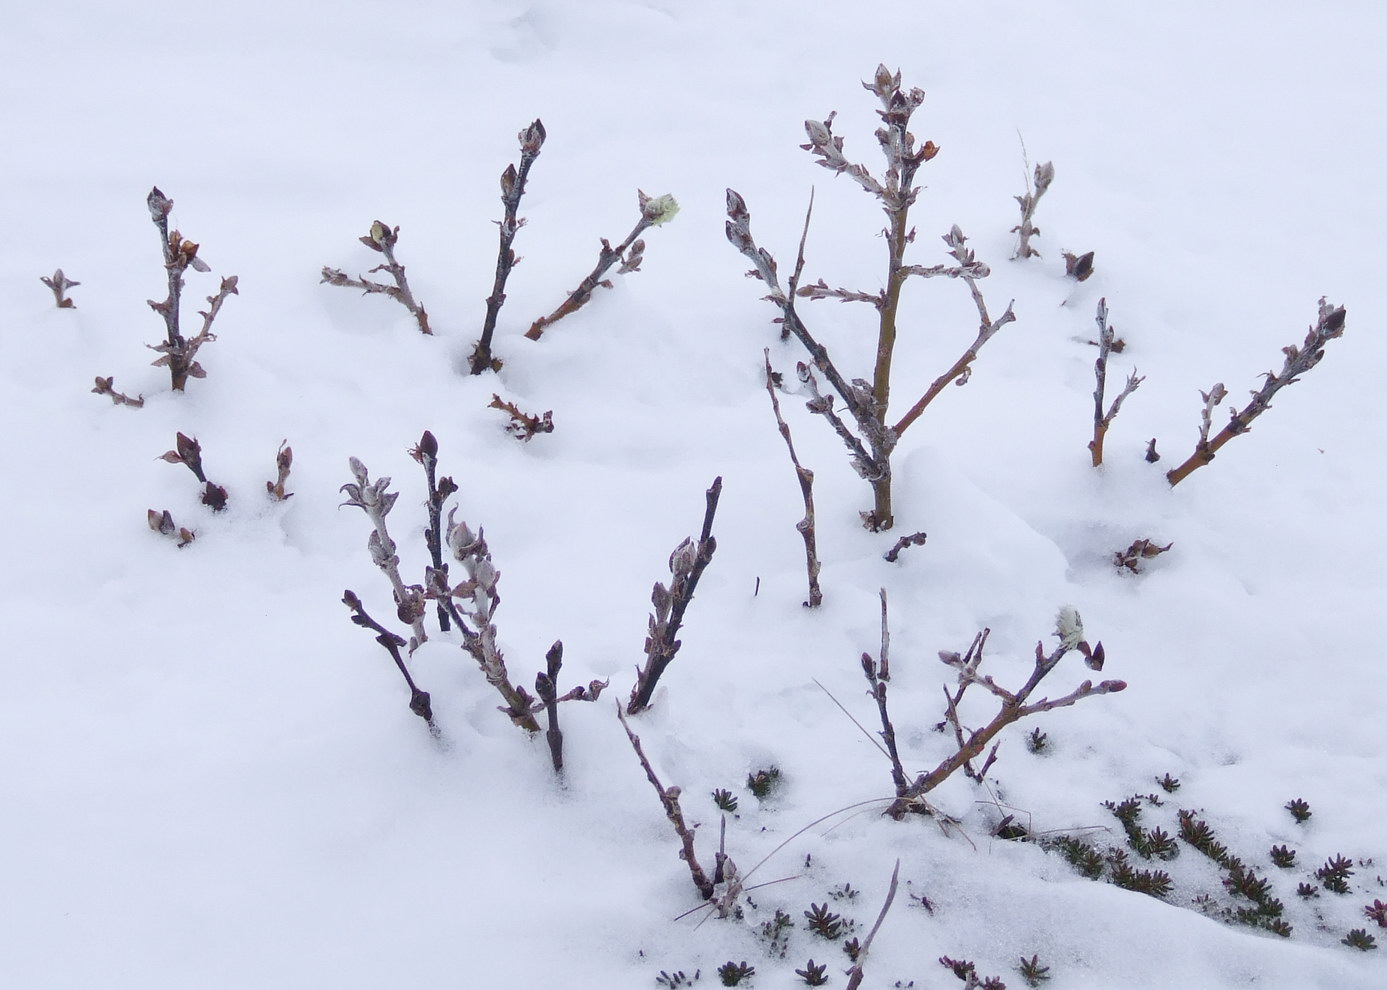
column 872, row 436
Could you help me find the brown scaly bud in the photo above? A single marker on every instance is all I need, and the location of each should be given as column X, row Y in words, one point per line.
column 159, row 205
column 532, row 138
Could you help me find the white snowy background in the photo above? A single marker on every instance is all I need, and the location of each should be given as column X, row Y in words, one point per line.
column 210, row 778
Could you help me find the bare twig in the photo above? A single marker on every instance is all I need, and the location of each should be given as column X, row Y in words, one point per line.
column 426, row 453
column 1299, row 360
column 1014, row 706
column 419, row 702
column 60, row 283
column 373, row 498
column 686, row 564
column 188, row 452
column 806, row 488
column 284, row 460
column 1101, row 419
column 669, row 798
column 655, row 210
column 888, row 731
column 512, row 189
column 106, row 386
column 913, row 540
column 855, row 974
column 382, row 239
column 1044, row 175
column 522, row 425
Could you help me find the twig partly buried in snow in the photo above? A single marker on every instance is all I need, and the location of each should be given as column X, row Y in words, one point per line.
column 1014, row 706
column 913, row 540
column 106, row 386
column 382, row 239
column 1044, row 175
column 374, row 498
column 60, row 283
column 419, row 702
column 686, row 564
column 188, row 452
column 855, row 974
column 1101, row 419
column 426, row 453
column 162, row 523
column 284, row 460
column 512, row 189
column 1299, row 360
column 179, row 353
column 523, row 426
column 655, row 210
column 806, row 487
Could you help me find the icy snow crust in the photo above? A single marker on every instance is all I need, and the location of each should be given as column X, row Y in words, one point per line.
column 212, row 778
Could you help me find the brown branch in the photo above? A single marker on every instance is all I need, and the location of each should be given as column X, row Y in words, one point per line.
column 382, row 239
column 806, row 488
column 655, row 210
column 686, row 564
column 1102, row 420
column 106, row 386
column 1013, row 704
column 419, row 702
column 426, row 453
column 913, row 540
column 1299, row 360
column 512, row 188
column 958, row 373
column 284, row 460
column 522, row 425
column 669, row 798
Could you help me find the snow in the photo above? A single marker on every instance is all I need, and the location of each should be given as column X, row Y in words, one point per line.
column 212, row 778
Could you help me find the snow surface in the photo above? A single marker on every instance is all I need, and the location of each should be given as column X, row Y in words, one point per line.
column 211, row 778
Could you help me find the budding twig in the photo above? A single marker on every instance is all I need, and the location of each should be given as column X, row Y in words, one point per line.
column 1101, row 419
column 512, row 188
column 60, row 283
column 686, row 564
column 1044, row 175
column 522, row 425
column 1014, row 706
column 655, row 210
column 426, row 453
column 188, row 452
column 382, row 239
column 1299, row 360
column 106, row 386
column 419, row 702
column 179, row 353
column 374, row 498
column 284, row 460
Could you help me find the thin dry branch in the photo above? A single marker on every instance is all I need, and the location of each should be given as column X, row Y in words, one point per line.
column 806, row 487
column 686, row 564
column 1101, row 419
column 1299, row 360
column 913, row 540
column 669, row 799
column 382, row 239
column 512, row 189
column 855, row 974
column 655, row 210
